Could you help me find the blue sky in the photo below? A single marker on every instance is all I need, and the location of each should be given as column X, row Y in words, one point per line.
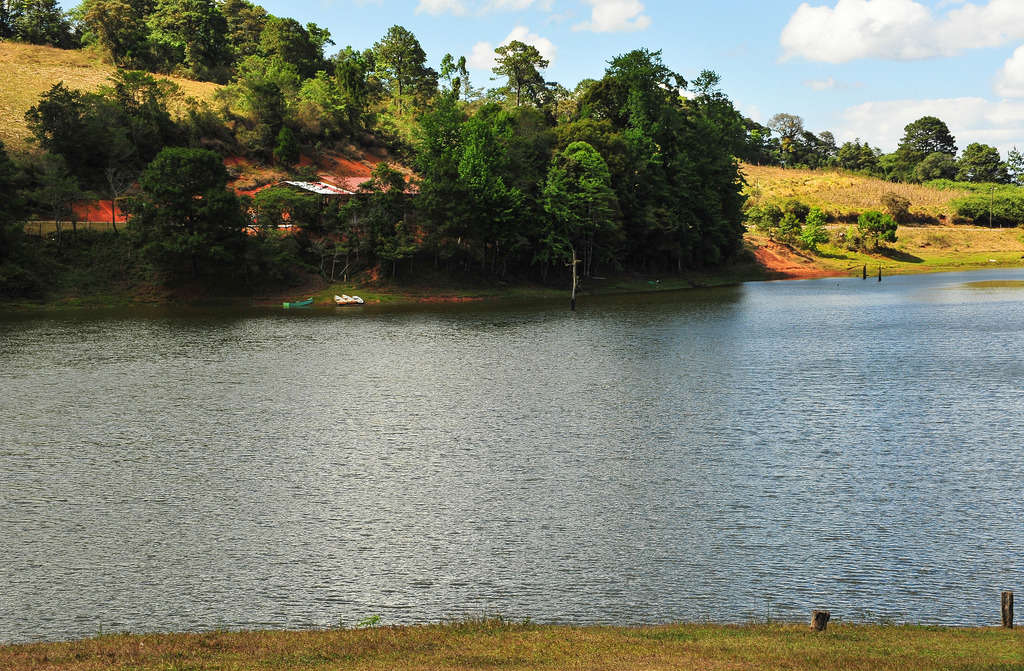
column 859, row 68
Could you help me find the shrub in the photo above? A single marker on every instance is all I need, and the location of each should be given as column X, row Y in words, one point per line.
column 765, row 218
column 789, row 228
column 896, row 206
column 795, row 207
column 814, row 232
column 875, row 227
column 998, row 208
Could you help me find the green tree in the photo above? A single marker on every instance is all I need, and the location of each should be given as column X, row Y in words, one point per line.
column 286, row 148
column 121, row 28
column 352, row 71
column 1015, row 166
column 245, row 23
column 41, row 22
column 74, row 125
column 261, row 91
column 581, row 207
column 56, row 190
column 857, row 156
column 814, row 232
column 875, row 227
column 921, row 139
column 18, row 277
column 443, row 197
column 285, row 206
column 981, row 163
column 790, row 228
column 456, row 75
column 191, row 34
column 520, row 64
column 383, row 206
column 790, row 129
column 400, row 63
column 9, row 10
column 186, row 217
column 937, row 165
column 289, row 41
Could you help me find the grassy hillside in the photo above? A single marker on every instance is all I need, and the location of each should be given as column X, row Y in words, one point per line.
column 29, row 70
column 845, row 195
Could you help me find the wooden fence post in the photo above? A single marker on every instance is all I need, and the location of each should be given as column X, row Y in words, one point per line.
column 819, row 619
column 1007, row 604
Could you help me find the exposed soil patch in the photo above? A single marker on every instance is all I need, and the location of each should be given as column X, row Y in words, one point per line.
column 786, row 263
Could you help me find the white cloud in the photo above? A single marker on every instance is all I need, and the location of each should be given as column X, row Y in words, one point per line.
column 437, row 7
column 517, row 5
column 1000, row 124
column 1010, row 79
column 482, row 56
column 460, row 7
column 830, row 84
column 820, row 84
column 613, row 16
column 898, row 29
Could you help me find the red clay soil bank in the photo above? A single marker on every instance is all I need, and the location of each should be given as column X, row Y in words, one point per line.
column 787, row 264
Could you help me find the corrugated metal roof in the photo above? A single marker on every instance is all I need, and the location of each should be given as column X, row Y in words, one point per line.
column 319, row 188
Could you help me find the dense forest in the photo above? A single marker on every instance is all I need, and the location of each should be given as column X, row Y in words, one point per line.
column 637, row 170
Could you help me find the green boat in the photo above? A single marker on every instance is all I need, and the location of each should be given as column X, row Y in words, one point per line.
column 299, row 304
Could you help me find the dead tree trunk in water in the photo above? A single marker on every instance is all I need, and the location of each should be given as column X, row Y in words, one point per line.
column 575, row 278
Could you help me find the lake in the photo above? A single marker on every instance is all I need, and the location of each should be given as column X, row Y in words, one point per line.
column 726, row 454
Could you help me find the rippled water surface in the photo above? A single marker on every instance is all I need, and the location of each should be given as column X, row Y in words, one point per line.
column 727, row 454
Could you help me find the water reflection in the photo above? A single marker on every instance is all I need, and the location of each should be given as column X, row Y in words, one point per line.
column 841, row 443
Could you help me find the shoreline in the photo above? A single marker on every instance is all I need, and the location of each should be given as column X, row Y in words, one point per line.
column 496, row 643
column 920, row 250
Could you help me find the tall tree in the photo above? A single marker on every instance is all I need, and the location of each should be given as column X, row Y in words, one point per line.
column 456, row 75
column 922, row 138
column 56, row 190
column 582, row 208
column 190, row 33
column 400, row 63
column 289, row 41
column 121, row 28
column 245, row 22
column 521, row 64
column 981, row 163
column 41, row 22
column 790, row 129
column 186, row 217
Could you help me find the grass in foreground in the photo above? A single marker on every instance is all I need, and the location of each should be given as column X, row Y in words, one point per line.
column 497, row 644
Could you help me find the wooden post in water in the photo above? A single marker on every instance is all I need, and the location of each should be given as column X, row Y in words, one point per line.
column 1007, row 604
column 819, row 619
column 879, row 273
column 865, row 272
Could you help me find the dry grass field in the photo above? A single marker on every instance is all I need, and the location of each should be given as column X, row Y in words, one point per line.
column 845, row 195
column 27, row 70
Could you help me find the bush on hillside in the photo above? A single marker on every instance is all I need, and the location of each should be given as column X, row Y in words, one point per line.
column 1000, row 208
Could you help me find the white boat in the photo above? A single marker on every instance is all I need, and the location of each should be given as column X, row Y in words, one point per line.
column 345, row 299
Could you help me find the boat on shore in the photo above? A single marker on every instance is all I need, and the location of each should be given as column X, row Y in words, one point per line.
column 345, row 299
column 299, row 304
